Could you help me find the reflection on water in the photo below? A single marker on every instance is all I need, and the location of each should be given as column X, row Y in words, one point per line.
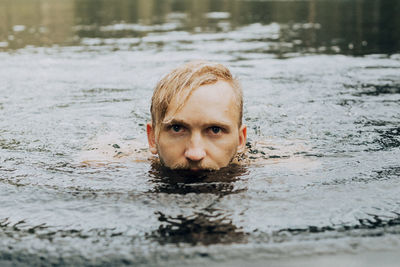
column 349, row 27
column 206, row 226
column 219, row 182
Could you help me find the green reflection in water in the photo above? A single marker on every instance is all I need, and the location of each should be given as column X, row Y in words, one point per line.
column 348, row 27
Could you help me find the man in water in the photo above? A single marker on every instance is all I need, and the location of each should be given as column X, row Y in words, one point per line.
column 196, row 113
column 196, row 125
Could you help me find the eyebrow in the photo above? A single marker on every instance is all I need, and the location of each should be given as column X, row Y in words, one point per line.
column 221, row 124
column 174, row 121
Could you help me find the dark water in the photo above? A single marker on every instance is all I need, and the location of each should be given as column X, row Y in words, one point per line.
column 321, row 82
column 317, row 27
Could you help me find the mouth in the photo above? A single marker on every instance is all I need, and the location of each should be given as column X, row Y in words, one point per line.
column 193, row 168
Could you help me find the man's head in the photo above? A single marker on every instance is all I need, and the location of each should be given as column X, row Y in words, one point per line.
column 196, row 115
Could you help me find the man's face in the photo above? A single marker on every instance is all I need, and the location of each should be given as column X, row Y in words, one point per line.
column 204, row 133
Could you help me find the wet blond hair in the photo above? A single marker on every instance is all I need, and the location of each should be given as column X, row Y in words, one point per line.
column 183, row 80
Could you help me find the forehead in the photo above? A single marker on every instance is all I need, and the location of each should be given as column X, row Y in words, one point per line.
column 208, row 103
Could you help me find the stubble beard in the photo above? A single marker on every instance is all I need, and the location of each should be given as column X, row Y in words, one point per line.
column 190, row 165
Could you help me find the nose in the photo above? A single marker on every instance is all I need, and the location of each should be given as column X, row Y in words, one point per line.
column 195, row 150
column 195, row 154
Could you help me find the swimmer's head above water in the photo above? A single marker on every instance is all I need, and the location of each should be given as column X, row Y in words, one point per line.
column 196, row 113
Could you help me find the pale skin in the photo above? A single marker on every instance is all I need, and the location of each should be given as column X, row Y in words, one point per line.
column 204, row 134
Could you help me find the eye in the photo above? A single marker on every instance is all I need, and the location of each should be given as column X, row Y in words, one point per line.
column 176, row 128
column 215, row 129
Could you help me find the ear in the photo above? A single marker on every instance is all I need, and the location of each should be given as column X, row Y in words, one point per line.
column 151, row 138
column 242, row 138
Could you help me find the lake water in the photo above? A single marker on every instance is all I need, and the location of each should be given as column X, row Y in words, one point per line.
column 321, row 82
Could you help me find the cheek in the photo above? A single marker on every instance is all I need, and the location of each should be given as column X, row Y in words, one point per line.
column 225, row 148
column 170, row 150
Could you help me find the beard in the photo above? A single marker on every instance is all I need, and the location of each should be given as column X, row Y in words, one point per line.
column 194, row 166
column 189, row 165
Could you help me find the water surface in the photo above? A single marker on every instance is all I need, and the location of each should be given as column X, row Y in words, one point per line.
column 322, row 93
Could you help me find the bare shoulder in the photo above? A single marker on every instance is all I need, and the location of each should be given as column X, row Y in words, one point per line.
column 277, row 151
column 111, row 148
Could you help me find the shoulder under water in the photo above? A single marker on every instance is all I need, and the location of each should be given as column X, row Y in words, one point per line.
column 112, row 148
